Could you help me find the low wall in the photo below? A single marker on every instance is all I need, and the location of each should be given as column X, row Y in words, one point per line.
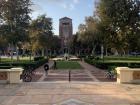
column 10, row 75
column 128, row 75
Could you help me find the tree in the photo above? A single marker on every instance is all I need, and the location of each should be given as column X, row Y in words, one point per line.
column 122, row 20
column 55, row 44
column 41, row 33
column 15, row 14
column 90, row 33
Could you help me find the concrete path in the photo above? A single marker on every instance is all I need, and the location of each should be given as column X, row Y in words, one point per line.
column 75, row 75
column 39, row 73
column 89, row 74
column 75, row 93
column 96, row 73
column 87, row 69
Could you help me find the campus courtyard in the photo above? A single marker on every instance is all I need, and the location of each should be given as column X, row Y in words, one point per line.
column 69, row 52
column 88, row 86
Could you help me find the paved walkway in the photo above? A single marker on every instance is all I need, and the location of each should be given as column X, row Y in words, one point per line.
column 89, row 73
column 63, row 75
column 39, row 73
column 95, row 73
column 75, row 93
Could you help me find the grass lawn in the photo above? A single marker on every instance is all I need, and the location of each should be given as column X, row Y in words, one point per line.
column 21, row 60
column 68, row 65
column 119, row 59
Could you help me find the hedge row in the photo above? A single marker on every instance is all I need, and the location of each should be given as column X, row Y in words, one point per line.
column 123, row 58
column 38, row 58
column 25, row 65
column 107, row 65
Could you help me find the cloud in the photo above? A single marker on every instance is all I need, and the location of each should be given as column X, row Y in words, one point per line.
column 54, row 0
column 71, row 6
column 37, row 10
column 36, row 7
column 64, row 5
column 76, row 1
column 68, row 6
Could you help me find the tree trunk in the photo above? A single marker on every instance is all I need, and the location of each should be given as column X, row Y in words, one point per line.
column 30, row 55
column 106, row 51
column 17, row 53
column 102, row 51
column 42, row 51
column 79, row 52
column 47, row 52
column 34, row 54
column 93, row 50
column 116, row 52
column 0, row 56
column 124, row 53
column 11, row 53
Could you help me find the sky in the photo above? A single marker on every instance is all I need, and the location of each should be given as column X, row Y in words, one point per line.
column 77, row 10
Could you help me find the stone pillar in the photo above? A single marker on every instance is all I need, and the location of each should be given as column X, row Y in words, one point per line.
column 128, row 75
column 14, row 75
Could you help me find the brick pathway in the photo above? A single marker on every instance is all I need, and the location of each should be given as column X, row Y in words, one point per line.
column 99, row 74
column 39, row 72
column 95, row 93
column 63, row 75
column 89, row 73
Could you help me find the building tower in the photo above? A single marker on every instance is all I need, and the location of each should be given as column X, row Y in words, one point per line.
column 65, row 33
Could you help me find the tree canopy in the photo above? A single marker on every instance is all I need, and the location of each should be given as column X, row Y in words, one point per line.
column 115, row 25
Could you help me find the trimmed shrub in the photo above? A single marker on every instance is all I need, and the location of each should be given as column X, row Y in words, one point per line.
column 6, row 67
column 81, row 56
column 38, row 58
column 106, row 65
column 25, row 65
column 52, row 56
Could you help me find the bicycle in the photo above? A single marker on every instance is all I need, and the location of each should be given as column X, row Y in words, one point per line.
column 26, row 75
column 110, row 74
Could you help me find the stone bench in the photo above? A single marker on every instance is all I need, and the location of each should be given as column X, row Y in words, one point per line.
column 10, row 75
column 128, row 75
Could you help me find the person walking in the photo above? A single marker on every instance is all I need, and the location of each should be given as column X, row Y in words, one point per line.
column 54, row 64
column 46, row 68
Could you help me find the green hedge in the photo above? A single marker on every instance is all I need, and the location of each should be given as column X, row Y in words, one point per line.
column 81, row 56
column 38, row 58
column 106, row 65
column 25, row 65
column 52, row 56
column 122, row 58
column 5, row 67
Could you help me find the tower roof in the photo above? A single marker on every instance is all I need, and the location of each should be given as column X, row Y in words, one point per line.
column 65, row 18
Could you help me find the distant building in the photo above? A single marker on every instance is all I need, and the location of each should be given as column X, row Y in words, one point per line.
column 65, row 33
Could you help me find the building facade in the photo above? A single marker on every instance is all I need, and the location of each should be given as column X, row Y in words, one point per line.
column 65, row 33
